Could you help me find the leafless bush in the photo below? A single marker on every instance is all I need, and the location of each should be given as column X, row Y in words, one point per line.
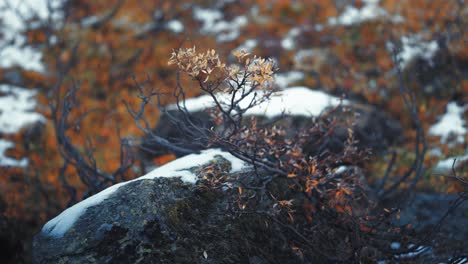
column 303, row 196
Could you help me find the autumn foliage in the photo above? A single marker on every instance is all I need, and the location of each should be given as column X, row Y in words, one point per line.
column 116, row 50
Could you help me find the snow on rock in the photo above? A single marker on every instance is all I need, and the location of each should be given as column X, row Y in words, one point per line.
column 7, row 161
column 16, row 109
column 213, row 24
column 14, row 16
column 415, row 251
column 369, row 11
column 58, row 226
column 294, row 101
column 450, row 124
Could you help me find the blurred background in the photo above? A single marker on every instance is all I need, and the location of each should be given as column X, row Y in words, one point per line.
column 342, row 47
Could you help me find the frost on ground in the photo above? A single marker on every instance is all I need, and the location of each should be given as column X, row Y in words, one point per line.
column 451, row 124
column 16, row 109
column 14, row 21
column 294, row 101
column 58, row 226
column 7, row 161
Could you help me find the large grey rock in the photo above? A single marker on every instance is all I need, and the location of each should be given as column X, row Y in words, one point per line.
column 164, row 220
column 120, row 229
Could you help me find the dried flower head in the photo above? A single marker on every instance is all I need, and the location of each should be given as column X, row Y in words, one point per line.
column 240, row 54
column 256, row 70
column 197, row 65
column 260, row 70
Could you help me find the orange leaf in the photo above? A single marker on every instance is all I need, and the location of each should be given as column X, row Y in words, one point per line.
column 163, row 159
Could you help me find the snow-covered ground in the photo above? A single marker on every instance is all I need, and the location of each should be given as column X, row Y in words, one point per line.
column 14, row 20
column 413, row 47
column 16, row 109
column 445, row 165
column 369, row 11
column 58, row 226
column 288, row 42
column 175, row 26
column 16, row 103
column 7, row 161
column 16, row 112
column 213, row 24
column 451, row 128
column 451, row 124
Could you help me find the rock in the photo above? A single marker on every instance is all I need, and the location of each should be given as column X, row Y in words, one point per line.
column 373, row 128
column 166, row 129
column 163, row 220
column 439, row 77
column 166, row 220
column 424, row 211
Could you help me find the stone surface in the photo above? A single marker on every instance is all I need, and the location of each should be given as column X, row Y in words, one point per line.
column 164, row 220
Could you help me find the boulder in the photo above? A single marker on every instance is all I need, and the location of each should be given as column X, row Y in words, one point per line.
column 161, row 220
column 183, row 212
column 373, row 129
column 424, row 211
column 168, row 130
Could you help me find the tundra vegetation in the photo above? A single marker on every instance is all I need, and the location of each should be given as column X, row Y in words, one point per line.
column 105, row 81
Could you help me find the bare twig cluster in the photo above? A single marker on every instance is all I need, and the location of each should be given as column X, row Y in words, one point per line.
column 304, row 196
column 84, row 163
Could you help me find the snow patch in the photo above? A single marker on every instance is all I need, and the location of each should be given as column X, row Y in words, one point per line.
column 369, row 11
column 450, row 124
column 446, row 164
column 14, row 16
column 283, row 80
column 27, row 58
column 414, row 46
column 288, row 42
column 214, row 25
column 58, row 226
column 295, row 101
column 175, row 26
column 16, row 109
column 248, row 45
column 7, row 161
